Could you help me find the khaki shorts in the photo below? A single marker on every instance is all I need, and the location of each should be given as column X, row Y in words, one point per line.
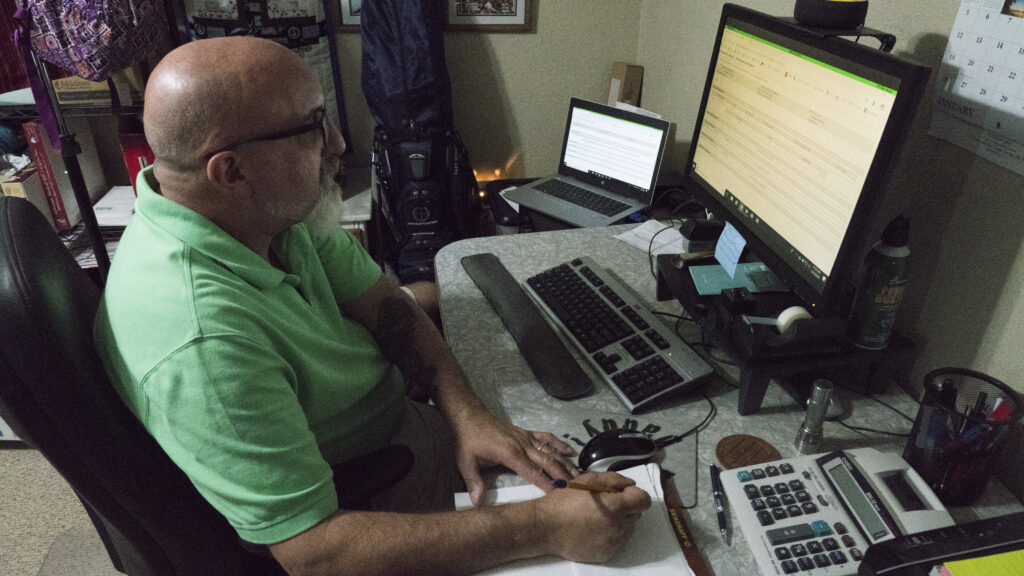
column 434, row 476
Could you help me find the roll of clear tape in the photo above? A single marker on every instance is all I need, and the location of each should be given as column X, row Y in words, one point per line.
column 790, row 315
column 784, row 320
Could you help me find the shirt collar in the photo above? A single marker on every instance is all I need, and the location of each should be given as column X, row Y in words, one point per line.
column 205, row 237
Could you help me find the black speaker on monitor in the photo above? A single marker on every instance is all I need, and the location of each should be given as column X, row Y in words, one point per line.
column 845, row 14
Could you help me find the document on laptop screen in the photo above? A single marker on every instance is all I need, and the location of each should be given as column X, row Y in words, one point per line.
column 612, row 147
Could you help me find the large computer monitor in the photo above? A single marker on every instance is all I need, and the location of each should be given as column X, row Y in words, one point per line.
column 795, row 140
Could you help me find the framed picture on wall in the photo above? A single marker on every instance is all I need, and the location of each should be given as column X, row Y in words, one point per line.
column 488, row 15
column 350, row 10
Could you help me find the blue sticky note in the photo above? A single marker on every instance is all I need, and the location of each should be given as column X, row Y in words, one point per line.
column 730, row 246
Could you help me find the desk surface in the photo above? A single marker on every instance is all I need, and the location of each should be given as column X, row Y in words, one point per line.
column 492, row 362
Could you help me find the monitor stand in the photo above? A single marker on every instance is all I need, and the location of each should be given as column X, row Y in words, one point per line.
column 809, row 348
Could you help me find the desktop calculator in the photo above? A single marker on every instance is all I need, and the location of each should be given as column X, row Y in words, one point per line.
column 817, row 514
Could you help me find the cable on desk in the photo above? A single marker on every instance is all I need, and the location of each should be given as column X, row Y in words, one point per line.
column 679, row 320
column 661, row 196
column 650, row 245
column 874, row 430
column 702, row 342
column 696, row 448
column 678, row 317
column 862, row 429
column 687, row 202
column 707, row 346
column 883, row 403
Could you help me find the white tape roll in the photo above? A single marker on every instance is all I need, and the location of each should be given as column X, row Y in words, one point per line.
column 790, row 315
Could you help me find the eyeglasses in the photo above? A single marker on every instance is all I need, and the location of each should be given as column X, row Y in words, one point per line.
column 319, row 124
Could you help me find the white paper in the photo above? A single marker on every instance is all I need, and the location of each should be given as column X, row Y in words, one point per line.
column 116, row 207
column 613, row 94
column 630, row 108
column 21, row 97
column 652, row 550
column 514, row 205
column 6, row 433
column 667, row 239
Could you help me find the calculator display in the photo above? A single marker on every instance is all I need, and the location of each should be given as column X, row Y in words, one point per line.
column 857, row 501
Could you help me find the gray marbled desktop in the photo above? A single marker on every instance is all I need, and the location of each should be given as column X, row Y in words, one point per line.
column 500, row 375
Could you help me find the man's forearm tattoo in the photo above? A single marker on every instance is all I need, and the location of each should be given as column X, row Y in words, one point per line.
column 396, row 330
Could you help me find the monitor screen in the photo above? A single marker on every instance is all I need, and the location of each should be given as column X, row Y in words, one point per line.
column 604, row 145
column 615, row 149
column 794, row 142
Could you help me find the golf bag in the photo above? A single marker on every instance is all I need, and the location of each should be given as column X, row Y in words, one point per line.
column 424, row 194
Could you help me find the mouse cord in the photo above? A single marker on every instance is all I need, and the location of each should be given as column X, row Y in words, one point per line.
column 650, row 245
column 874, row 430
column 696, row 446
column 879, row 400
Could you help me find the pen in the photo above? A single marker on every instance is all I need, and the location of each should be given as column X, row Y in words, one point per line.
column 583, row 485
column 716, row 488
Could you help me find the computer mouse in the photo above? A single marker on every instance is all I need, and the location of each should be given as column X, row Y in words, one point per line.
column 617, row 449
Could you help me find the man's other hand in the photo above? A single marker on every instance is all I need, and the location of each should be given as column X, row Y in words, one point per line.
column 483, row 441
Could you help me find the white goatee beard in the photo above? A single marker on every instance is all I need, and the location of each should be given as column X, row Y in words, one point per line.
column 325, row 217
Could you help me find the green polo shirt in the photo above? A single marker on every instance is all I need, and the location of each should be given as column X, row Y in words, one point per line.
column 250, row 378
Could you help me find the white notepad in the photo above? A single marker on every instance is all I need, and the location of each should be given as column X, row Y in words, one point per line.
column 652, row 549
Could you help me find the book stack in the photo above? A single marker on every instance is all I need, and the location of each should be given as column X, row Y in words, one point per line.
column 113, row 212
column 54, row 183
column 25, row 184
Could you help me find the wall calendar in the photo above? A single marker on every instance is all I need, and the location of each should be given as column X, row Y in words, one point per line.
column 979, row 91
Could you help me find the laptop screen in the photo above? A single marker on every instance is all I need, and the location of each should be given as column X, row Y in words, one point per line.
column 614, row 149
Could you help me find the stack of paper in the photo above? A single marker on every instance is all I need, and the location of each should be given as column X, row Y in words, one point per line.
column 115, row 208
column 656, row 238
column 651, row 550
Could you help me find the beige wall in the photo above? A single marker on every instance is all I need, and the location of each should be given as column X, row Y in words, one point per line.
column 511, row 91
column 966, row 302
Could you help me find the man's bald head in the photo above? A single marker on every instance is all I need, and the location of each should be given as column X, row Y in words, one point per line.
column 209, row 93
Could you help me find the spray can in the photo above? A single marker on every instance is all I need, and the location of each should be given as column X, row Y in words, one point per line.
column 883, row 279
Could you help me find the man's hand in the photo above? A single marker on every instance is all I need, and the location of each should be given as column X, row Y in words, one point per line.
column 482, row 441
column 585, row 526
column 574, row 524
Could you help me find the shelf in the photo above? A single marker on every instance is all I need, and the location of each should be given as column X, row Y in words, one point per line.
column 19, row 105
column 27, row 112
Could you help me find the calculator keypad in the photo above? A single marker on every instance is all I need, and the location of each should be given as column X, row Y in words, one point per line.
column 805, row 546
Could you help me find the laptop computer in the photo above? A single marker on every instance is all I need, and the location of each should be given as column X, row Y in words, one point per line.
column 609, row 166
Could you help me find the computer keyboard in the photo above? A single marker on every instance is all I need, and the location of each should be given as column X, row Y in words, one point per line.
column 637, row 355
column 581, row 197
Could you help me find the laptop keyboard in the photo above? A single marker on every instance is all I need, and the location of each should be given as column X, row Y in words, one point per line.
column 582, row 197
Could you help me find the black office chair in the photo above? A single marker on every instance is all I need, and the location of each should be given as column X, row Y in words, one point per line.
column 55, row 394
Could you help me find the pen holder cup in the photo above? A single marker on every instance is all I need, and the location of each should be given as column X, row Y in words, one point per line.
column 963, row 419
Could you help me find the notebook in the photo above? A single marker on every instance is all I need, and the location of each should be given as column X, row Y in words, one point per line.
column 608, row 169
column 652, row 550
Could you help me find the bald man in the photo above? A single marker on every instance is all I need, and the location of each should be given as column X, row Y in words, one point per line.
column 260, row 345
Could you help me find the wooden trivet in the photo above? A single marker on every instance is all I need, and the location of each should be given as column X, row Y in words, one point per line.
column 740, row 450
